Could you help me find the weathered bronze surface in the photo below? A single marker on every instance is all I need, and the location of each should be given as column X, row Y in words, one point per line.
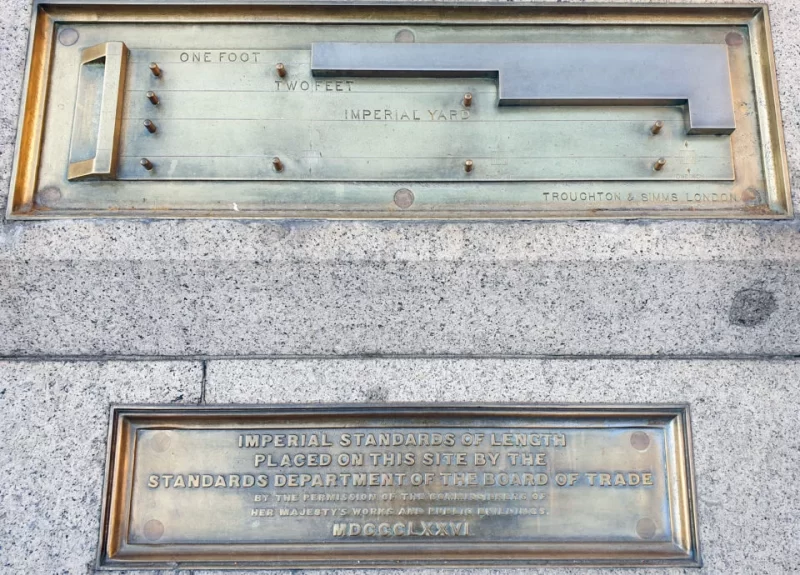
column 357, row 102
column 375, row 485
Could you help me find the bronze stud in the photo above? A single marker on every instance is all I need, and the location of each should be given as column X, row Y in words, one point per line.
column 153, row 98
column 659, row 165
column 281, row 69
column 657, row 127
column 467, row 99
column 468, row 165
column 146, row 164
column 151, row 127
column 277, row 164
column 155, row 69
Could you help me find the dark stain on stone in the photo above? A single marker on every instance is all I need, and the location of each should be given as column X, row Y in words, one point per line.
column 377, row 394
column 752, row 307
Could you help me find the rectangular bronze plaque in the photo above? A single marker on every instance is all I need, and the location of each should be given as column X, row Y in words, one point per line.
column 381, row 486
column 400, row 112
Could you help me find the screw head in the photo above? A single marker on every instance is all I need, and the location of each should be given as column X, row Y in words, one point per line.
column 403, row 198
column 68, row 36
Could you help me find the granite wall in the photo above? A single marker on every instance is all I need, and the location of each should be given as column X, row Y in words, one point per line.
column 100, row 312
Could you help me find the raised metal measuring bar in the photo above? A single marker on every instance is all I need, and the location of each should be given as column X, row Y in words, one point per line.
column 559, row 74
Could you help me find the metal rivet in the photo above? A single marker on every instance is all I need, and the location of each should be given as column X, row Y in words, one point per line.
column 734, row 39
column 153, row 98
column 468, row 99
column 468, row 166
column 155, row 69
column 160, row 441
column 640, row 441
column 154, row 530
column 403, row 198
column 646, row 528
column 281, row 69
column 146, row 164
column 277, row 164
column 151, row 127
column 659, row 165
column 68, row 36
column 48, row 196
column 404, row 36
column 657, row 127
column 753, row 197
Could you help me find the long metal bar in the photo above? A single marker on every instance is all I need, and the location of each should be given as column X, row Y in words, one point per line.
column 559, row 74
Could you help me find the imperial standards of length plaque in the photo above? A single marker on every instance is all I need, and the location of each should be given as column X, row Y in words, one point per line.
column 379, row 486
column 401, row 112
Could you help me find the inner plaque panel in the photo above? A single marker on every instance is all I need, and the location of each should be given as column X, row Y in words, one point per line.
column 157, row 110
column 389, row 486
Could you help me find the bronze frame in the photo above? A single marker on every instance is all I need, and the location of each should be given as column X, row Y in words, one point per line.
column 46, row 14
column 116, row 497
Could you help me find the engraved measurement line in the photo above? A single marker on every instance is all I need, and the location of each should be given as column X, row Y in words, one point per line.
column 504, row 180
column 362, row 92
column 270, row 156
column 316, row 92
column 377, row 122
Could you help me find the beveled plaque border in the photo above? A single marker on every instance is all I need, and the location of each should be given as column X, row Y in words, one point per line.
column 117, row 495
column 48, row 13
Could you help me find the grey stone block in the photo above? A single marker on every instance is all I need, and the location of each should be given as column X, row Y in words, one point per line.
column 744, row 422
column 54, row 426
column 118, row 288
column 246, row 308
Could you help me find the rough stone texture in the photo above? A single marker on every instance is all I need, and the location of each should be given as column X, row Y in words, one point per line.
column 744, row 418
column 341, row 288
column 54, row 425
column 172, row 288
column 743, row 413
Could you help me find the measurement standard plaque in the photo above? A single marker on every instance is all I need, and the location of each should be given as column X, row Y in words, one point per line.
column 401, row 112
column 381, row 486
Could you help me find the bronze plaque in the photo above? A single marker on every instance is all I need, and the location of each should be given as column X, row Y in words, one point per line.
column 389, row 486
column 400, row 112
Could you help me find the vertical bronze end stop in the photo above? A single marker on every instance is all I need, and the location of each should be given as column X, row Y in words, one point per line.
column 468, row 165
column 151, row 127
column 155, row 69
column 281, row 69
column 146, row 164
column 468, row 99
column 659, row 165
column 153, row 98
column 277, row 164
column 657, row 127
